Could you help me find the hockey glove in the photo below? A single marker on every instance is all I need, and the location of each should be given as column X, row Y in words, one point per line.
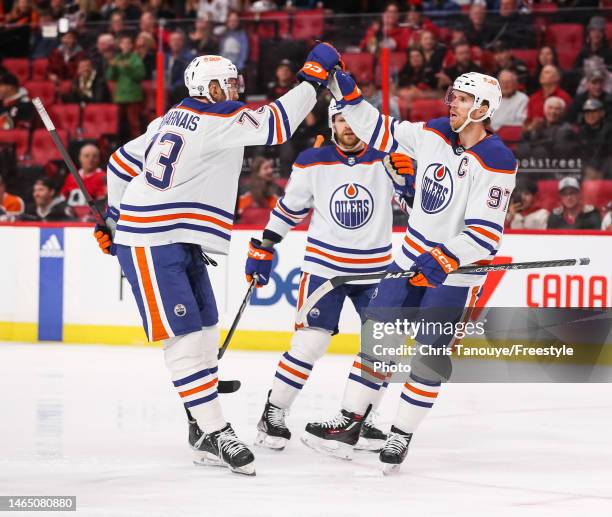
column 400, row 168
column 344, row 89
column 433, row 267
column 321, row 59
column 259, row 262
column 105, row 234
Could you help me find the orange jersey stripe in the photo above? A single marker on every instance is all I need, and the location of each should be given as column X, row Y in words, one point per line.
column 293, row 371
column 301, row 290
column 364, row 368
column 157, row 327
column 279, row 134
column 209, row 384
column 348, row 260
column 410, row 242
column 385, row 139
column 124, row 165
column 484, row 232
column 170, row 217
column 431, row 394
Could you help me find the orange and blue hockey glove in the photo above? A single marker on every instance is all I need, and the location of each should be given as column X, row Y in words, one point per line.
column 344, row 89
column 401, row 170
column 433, row 267
column 259, row 261
column 320, row 61
column 104, row 233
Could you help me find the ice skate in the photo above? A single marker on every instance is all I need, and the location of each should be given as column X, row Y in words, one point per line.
column 335, row 437
column 228, row 450
column 371, row 437
column 272, row 431
column 394, row 451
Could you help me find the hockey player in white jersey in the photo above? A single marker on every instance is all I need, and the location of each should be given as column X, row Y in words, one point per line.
column 464, row 178
column 350, row 232
column 179, row 208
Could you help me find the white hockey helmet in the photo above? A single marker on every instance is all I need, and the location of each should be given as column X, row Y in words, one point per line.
column 483, row 88
column 204, row 69
column 332, row 111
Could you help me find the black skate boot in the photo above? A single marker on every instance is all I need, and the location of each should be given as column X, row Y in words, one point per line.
column 395, row 450
column 371, row 437
column 273, row 433
column 337, row 436
column 225, row 447
column 203, row 453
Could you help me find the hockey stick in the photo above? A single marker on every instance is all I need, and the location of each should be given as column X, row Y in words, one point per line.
column 332, row 283
column 42, row 112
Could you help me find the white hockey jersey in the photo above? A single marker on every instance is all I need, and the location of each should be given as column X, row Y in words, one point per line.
column 351, row 225
column 190, row 161
column 461, row 195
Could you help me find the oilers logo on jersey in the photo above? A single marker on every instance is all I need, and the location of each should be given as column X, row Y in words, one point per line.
column 351, row 206
column 436, row 188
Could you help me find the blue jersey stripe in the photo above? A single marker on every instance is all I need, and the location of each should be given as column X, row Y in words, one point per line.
column 288, row 381
column 284, row 218
column 410, row 400
column 365, row 382
column 394, row 146
column 191, row 378
column 129, row 157
column 270, row 128
column 480, row 242
column 197, row 402
column 289, row 357
column 408, row 254
column 293, row 212
column 421, row 237
column 285, row 119
column 124, row 177
column 321, row 262
column 376, row 131
column 484, row 222
column 348, row 250
column 179, row 204
column 178, row 226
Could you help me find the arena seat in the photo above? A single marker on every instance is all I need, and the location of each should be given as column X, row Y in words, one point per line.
column 19, row 67
column 609, row 30
column 100, row 119
column 511, row 135
column 528, row 56
column 66, row 116
column 597, row 192
column 548, row 193
column 308, row 24
column 256, row 216
column 43, row 148
column 39, row 69
column 361, row 66
column 269, row 24
column 567, row 39
column 46, row 90
column 397, row 60
column 19, row 137
column 426, row 109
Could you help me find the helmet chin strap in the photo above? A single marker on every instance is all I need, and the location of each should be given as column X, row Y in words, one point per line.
column 469, row 119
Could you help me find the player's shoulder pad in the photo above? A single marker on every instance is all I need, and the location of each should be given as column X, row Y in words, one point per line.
column 494, row 156
column 372, row 155
column 441, row 126
column 317, row 155
column 213, row 108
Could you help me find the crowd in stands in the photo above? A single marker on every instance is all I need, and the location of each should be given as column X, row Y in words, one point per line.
column 93, row 63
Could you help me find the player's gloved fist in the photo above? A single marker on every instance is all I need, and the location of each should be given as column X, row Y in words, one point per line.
column 104, row 233
column 400, row 168
column 344, row 88
column 259, row 262
column 433, row 267
column 321, row 59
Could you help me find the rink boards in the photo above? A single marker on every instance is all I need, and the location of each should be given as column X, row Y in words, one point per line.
column 57, row 286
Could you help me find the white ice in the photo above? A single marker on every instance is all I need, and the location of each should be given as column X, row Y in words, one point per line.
column 104, row 424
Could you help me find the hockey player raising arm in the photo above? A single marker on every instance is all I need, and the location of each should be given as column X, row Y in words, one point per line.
column 171, row 196
column 464, row 179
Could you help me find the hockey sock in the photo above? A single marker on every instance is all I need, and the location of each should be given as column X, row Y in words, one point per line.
column 417, row 398
column 295, row 366
column 193, row 370
column 363, row 386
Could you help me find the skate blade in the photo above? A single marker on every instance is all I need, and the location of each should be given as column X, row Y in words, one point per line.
column 365, row 444
column 206, row 459
column 332, row 448
column 391, row 469
column 276, row 443
column 245, row 470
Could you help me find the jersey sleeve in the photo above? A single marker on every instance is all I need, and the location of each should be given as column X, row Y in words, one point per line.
column 485, row 213
column 381, row 131
column 295, row 204
column 271, row 124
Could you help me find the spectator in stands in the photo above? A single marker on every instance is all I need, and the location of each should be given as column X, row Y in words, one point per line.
column 263, row 192
column 433, row 51
column 478, row 32
column 550, row 78
column 128, row 9
column 15, row 32
column 48, row 205
column 10, row 205
column 16, row 110
column 592, row 65
column 116, row 25
column 504, row 60
column 416, row 22
column 176, row 60
column 462, row 53
column 160, row 9
column 219, row 10
column 416, row 76
column 234, row 42
column 57, row 9
column 144, row 46
column 513, row 27
column 596, row 43
column 594, row 90
column 546, row 56
column 606, row 223
column 201, row 39
column 127, row 70
column 103, row 53
column 88, row 85
column 550, row 136
column 283, row 82
column 44, row 40
column 572, row 214
column 22, row 13
column 374, row 96
column 63, row 60
column 524, row 211
column 386, row 33
column 94, row 178
column 594, row 141
column 148, row 24
column 512, row 110
column 442, row 12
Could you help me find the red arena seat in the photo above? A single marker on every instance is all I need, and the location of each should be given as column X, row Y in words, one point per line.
column 548, row 193
column 567, row 39
column 19, row 67
column 269, row 24
column 597, row 192
column 66, row 116
column 528, row 56
column 100, row 119
column 46, row 90
column 43, row 148
column 397, row 60
column 511, row 135
column 256, row 216
column 19, row 137
column 308, row 24
column 39, row 69
column 426, row 109
column 361, row 66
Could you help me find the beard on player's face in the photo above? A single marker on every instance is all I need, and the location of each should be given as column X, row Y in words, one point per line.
column 347, row 139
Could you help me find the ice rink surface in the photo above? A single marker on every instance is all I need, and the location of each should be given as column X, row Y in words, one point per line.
column 104, row 424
